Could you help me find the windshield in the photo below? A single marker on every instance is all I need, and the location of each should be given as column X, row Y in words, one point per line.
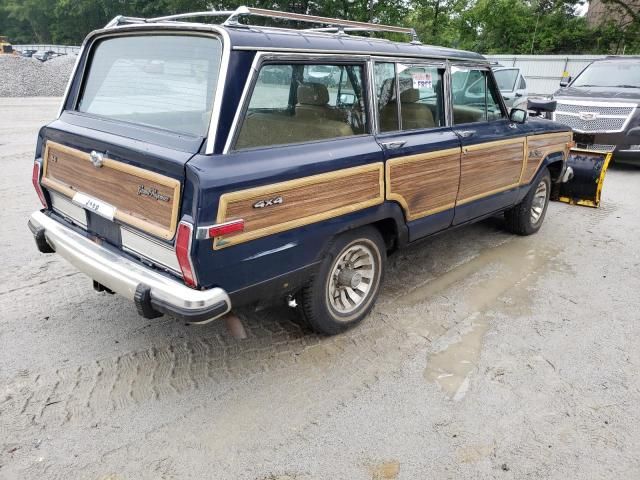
column 506, row 79
column 610, row 74
column 163, row 81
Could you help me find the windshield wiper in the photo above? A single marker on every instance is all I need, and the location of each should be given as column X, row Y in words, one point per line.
column 627, row 86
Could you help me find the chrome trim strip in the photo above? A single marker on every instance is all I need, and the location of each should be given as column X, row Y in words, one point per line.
column 120, row 274
column 222, row 82
column 262, row 56
column 245, row 92
column 588, row 103
column 373, row 97
column 476, row 61
column 70, row 81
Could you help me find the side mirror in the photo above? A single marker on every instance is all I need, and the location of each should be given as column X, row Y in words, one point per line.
column 518, row 116
column 565, row 81
column 634, row 133
column 347, row 99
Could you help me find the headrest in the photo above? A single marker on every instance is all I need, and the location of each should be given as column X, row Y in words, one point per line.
column 410, row 95
column 313, row 94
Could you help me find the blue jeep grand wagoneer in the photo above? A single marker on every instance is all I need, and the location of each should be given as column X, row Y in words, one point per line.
column 195, row 167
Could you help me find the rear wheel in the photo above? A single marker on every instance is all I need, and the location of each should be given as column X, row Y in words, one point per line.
column 347, row 283
column 526, row 218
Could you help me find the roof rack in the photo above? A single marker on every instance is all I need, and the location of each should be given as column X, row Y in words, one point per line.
column 334, row 24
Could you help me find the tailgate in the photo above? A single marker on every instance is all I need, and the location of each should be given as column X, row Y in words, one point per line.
column 113, row 189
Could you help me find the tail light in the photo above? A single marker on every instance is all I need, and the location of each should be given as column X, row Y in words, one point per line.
column 184, row 238
column 35, row 179
column 220, row 229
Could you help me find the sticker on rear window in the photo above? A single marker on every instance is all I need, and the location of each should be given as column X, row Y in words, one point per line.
column 422, row 80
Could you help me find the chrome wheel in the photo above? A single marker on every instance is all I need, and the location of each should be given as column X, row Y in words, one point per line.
column 539, row 202
column 354, row 275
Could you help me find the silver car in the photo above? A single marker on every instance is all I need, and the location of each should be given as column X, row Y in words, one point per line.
column 512, row 85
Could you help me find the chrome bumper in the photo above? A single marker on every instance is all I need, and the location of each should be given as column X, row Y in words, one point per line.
column 151, row 291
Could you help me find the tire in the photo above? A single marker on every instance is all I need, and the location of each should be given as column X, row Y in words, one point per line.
column 338, row 296
column 526, row 217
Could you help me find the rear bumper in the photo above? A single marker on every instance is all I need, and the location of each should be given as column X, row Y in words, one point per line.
column 152, row 292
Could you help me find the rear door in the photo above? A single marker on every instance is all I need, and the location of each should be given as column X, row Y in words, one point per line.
column 300, row 158
column 422, row 153
column 493, row 148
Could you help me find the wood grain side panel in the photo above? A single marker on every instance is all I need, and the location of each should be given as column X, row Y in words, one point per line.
column 68, row 171
column 490, row 168
column 304, row 201
column 539, row 147
column 424, row 184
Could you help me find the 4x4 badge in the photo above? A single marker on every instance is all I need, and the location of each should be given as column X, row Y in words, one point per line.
column 268, row 203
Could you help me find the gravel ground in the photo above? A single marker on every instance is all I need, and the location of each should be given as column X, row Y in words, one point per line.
column 29, row 77
column 488, row 356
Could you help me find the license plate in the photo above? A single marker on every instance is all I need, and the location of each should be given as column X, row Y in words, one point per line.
column 94, row 205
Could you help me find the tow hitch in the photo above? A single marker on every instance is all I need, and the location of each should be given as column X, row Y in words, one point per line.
column 585, row 187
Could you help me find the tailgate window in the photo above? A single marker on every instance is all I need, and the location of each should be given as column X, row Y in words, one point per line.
column 162, row 81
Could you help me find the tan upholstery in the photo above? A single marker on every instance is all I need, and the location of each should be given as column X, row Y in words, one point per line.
column 264, row 129
column 313, row 94
column 414, row 115
column 410, row 95
column 313, row 99
column 466, row 114
column 389, row 117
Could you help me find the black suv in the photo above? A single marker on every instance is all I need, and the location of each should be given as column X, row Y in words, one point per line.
column 601, row 105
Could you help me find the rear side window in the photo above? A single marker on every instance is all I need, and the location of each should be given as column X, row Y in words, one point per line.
column 162, row 81
column 475, row 96
column 295, row 103
column 421, row 96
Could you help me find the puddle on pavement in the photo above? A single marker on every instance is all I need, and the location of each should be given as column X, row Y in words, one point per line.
column 499, row 279
column 385, row 471
column 451, row 368
column 516, row 258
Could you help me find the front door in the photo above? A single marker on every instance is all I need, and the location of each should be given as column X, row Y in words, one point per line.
column 422, row 154
column 493, row 148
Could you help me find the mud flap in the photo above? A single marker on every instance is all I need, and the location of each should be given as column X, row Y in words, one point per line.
column 589, row 168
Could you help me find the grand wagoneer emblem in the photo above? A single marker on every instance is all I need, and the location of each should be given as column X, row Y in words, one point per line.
column 269, row 202
column 152, row 193
column 97, row 159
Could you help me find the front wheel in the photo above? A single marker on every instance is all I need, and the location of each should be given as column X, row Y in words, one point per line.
column 526, row 218
column 347, row 283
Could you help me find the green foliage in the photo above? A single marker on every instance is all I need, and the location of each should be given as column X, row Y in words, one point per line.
column 487, row 26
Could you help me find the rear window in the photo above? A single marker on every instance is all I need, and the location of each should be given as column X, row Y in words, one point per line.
column 162, row 81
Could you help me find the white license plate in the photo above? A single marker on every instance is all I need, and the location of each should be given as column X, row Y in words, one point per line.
column 94, row 205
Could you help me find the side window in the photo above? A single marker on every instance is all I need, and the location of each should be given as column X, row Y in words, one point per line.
column 475, row 98
column 295, row 103
column 523, row 84
column 385, row 83
column 421, row 97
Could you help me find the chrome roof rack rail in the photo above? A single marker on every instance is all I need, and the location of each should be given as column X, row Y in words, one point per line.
column 334, row 24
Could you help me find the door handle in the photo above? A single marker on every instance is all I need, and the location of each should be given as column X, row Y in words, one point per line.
column 393, row 145
column 466, row 133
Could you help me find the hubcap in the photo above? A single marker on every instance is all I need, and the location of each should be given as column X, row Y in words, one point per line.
column 352, row 278
column 539, row 202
